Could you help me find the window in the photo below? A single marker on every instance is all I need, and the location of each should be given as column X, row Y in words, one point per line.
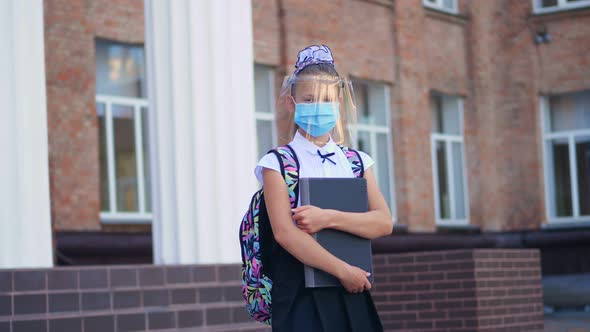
column 448, row 160
column 449, row 6
column 264, row 101
column 121, row 107
column 566, row 144
column 547, row 6
column 373, row 133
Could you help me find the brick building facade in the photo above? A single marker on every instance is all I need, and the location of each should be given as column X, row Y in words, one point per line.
column 476, row 112
column 71, row 29
column 484, row 54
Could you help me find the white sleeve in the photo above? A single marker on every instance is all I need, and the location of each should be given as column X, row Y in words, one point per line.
column 367, row 161
column 269, row 161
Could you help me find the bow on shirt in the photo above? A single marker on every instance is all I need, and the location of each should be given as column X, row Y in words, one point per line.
column 326, row 156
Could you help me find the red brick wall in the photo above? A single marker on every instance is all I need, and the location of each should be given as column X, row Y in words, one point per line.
column 412, row 119
column 70, row 30
column 509, row 72
column 459, row 290
column 485, row 54
column 265, row 26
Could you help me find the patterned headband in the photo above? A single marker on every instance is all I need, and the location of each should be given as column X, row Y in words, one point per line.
column 312, row 55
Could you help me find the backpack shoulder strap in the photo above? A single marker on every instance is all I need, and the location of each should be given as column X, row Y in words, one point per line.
column 290, row 170
column 354, row 158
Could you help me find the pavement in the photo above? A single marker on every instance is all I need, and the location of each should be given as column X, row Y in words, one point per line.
column 574, row 321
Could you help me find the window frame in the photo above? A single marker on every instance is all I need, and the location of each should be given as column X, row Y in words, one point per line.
column 373, row 130
column 448, row 140
column 267, row 116
column 439, row 6
column 113, row 216
column 547, row 136
column 562, row 5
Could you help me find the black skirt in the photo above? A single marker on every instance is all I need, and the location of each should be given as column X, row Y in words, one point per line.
column 326, row 309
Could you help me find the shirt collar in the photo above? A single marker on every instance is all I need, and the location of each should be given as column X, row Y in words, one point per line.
column 303, row 143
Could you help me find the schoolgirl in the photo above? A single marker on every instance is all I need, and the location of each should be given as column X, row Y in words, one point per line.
column 316, row 109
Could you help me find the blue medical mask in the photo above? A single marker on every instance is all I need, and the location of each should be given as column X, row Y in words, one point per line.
column 317, row 118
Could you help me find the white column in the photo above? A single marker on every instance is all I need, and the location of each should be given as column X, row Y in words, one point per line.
column 202, row 128
column 25, row 219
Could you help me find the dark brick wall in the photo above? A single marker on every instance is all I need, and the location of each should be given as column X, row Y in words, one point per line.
column 481, row 290
column 124, row 298
column 460, row 290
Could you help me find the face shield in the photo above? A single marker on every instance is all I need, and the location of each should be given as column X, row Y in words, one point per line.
column 316, row 105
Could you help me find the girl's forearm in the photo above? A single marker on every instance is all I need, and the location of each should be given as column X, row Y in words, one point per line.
column 370, row 225
column 308, row 251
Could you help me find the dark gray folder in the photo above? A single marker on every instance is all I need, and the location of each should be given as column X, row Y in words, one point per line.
column 343, row 194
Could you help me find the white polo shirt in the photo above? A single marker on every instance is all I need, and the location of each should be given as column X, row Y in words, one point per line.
column 311, row 164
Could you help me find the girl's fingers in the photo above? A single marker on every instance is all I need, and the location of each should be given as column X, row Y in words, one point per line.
column 300, row 220
column 300, row 208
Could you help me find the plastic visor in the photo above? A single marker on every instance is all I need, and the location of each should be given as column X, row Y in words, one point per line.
column 321, row 93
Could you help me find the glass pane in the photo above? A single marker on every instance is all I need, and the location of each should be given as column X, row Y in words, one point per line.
column 264, row 136
column 458, row 178
column 449, row 4
column 377, row 107
column 446, row 116
column 364, row 142
column 383, row 169
column 125, row 158
column 548, row 3
column 362, row 102
column 571, row 111
column 262, row 89
column 146, row 159
column 102, row 158
column 120, row 69
column 451, row 117
column 436, row 114
column 583, row 163
column 561, row 178
column 370, row 99
column 443, row 188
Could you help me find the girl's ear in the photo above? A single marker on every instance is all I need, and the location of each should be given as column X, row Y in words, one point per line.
column 290, row 104
column 286, row 103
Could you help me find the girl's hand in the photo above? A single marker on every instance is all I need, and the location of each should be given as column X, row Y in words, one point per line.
column 354, row 279
column 310, row 219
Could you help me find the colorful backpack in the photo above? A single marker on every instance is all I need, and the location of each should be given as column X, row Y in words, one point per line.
column 256, row 233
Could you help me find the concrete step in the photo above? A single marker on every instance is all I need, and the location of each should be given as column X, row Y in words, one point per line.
column 570, row 290
column 572, row 321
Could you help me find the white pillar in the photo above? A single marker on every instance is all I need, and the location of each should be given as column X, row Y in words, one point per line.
column 202, row 128
column 25, row 219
